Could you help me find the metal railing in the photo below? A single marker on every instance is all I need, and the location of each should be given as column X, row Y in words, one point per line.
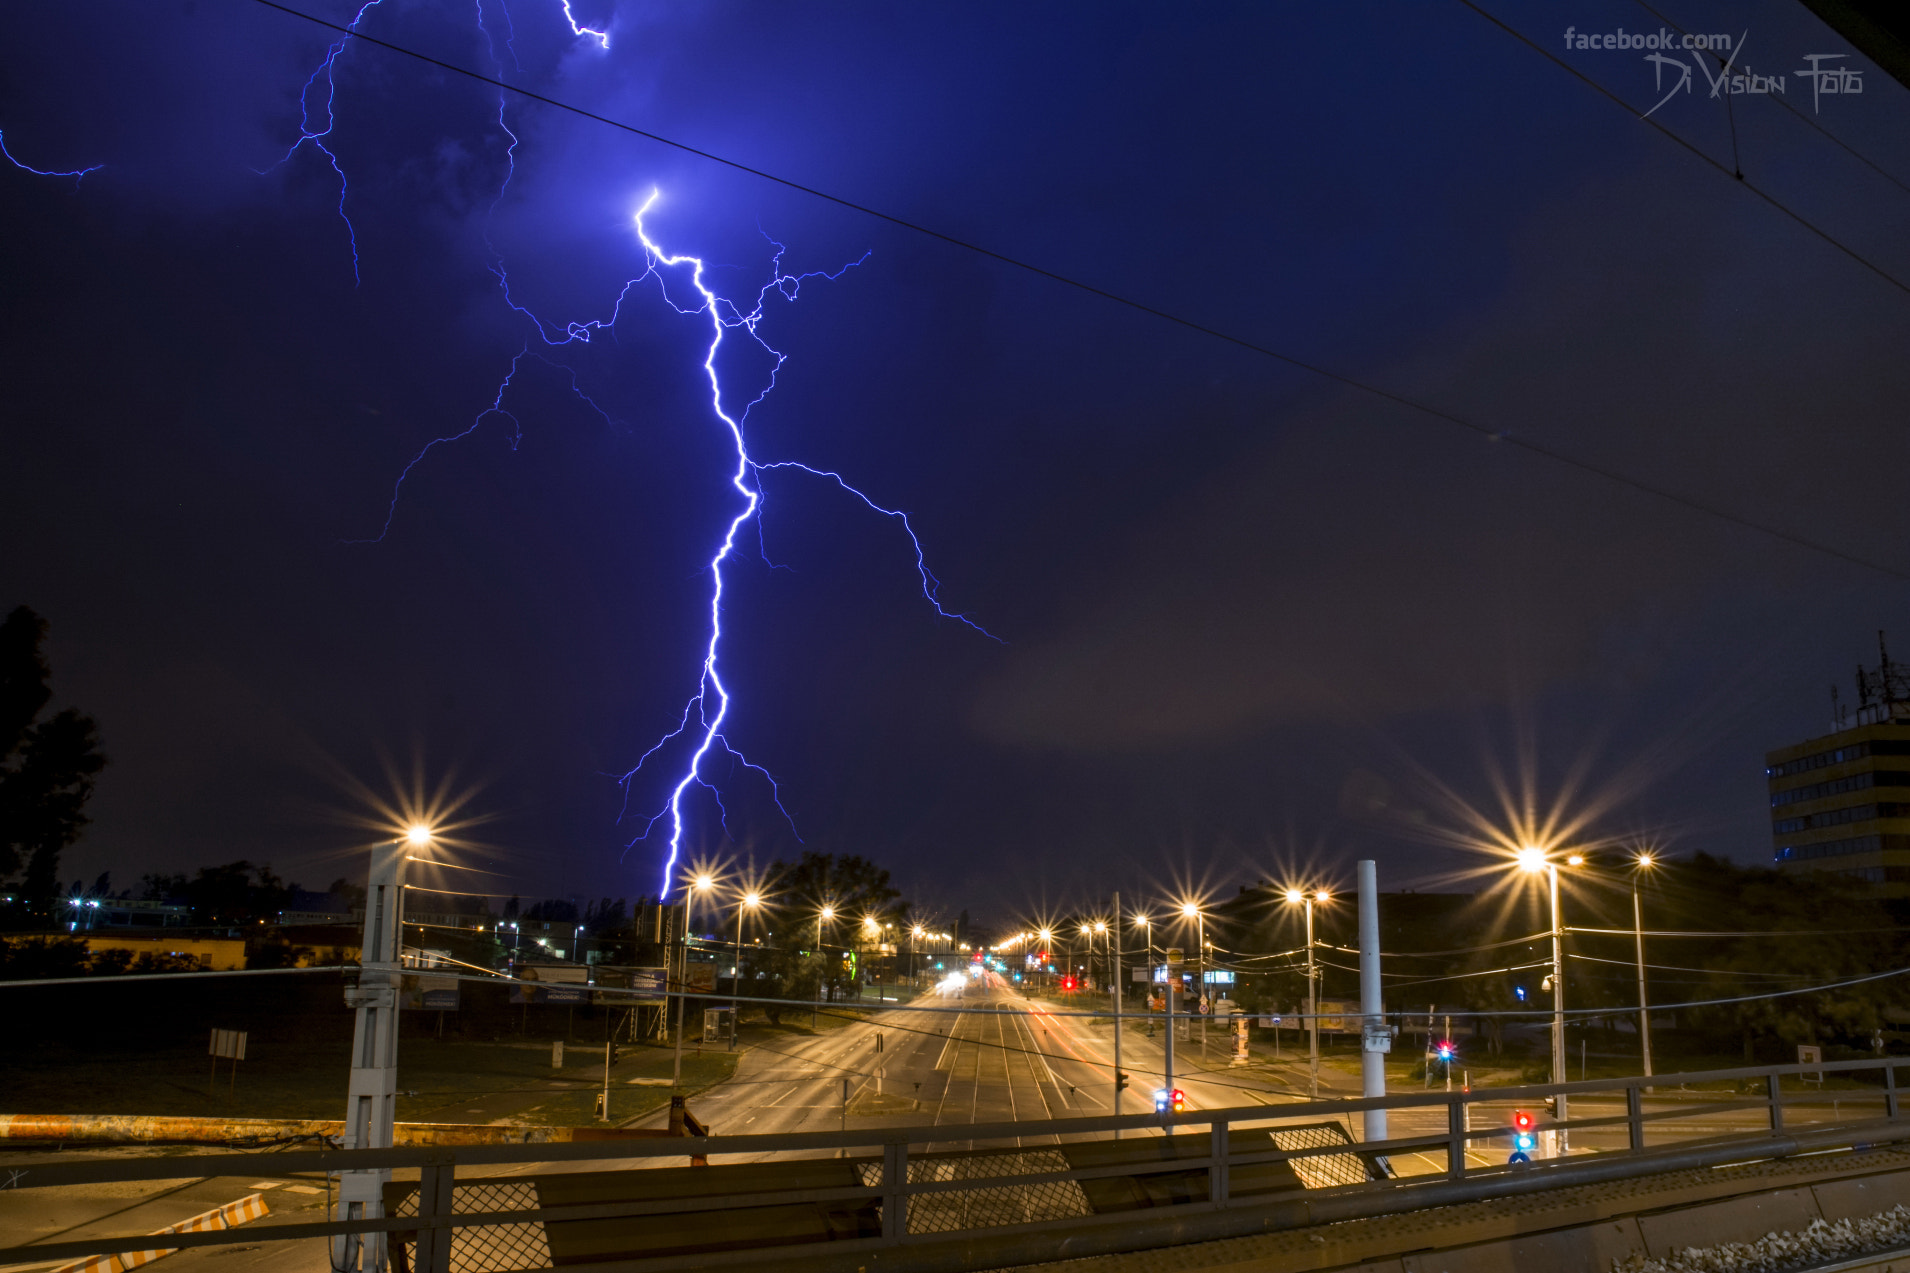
column 842, row 1199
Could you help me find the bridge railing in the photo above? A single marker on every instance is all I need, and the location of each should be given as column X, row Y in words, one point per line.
column 1014, row 1192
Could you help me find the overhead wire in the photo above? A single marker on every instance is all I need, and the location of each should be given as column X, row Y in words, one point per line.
column 1665, row 131
column 1813, row 123
column 1396, row 398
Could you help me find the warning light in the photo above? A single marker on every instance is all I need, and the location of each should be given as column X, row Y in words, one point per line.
column 1445, row 1051
column 1523, row 1141
column 1067, row 983
column 1166, row 1101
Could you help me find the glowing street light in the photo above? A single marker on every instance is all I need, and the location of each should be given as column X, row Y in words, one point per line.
column 751, row 900
column 1533, row 859
column 1298, row 897
column 1643, row 862
column 418, row 835
column 1191, row 910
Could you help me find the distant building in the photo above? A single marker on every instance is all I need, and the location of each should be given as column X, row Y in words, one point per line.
column 1841, row 802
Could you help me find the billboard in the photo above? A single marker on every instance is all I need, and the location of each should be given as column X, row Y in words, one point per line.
column 428, row 990
column 624, row 985
column 551, row 983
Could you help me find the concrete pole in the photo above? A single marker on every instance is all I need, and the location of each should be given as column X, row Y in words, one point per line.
column 1312, row 1011
column 371, row 1099
column 1173, row 989
column 1558, row 1003
column 682, row 962
column 1114, row 960
column 1375, row 1042
column 1644, row 1008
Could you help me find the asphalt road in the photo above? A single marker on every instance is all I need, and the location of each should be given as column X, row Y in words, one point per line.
column 951, row 1059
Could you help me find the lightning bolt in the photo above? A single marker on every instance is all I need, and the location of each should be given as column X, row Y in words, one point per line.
column 701, row 723
column 320, row 139
column 78, row 174
column 725, row 317
column 601, row 37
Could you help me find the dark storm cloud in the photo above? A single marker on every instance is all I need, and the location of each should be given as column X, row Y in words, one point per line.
column 1235, row 599
column 1372, row 561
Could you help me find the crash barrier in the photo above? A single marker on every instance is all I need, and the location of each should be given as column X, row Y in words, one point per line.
column 231, row 1216
column 959, row 1196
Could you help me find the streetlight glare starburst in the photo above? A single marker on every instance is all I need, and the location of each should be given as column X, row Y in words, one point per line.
column 1531, row 859
column 418, row 835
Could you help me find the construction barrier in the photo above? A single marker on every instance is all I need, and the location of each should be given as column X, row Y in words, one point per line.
column 231, row 1216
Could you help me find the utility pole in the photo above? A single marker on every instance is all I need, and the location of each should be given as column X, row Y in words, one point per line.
column 1312, row 1011
column 1173, row 988
column 1558, row 1005
column 1114, row 979
column 373, row 1090
column 1645, row 862
column 1375, row 1039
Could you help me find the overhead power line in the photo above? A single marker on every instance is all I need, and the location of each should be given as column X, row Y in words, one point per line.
column 1325, row 373
column 1800, row 116
column 1739, row 178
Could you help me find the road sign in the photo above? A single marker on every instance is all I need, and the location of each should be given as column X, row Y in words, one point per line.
column 1174, row 957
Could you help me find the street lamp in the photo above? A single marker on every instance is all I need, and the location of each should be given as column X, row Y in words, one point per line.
column 915, row 932
column 826, row 913
column 1298, row 897
column 702, row 882
column 1107, row 951
column 1533, row 860
column 1191, row 910
column 751, row 900
column 1644, row 862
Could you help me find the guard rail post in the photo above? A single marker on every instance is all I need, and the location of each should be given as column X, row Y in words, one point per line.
column 1218, row 1149
column 895, row 1182
column 1774, row 1088
column 1635, row 1116
column 436, row 1182
column 1456, row 1138
column 1889, row 1090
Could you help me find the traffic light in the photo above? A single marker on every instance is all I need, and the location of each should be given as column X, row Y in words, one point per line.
column 1523, row 1139
column 1166, row 1101
column 1120, row 1080
column 613, row 1052
column 1067, row 983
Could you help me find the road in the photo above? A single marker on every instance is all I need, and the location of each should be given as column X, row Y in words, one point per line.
column 946, row 1059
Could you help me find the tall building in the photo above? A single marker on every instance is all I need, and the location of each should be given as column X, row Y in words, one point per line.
column 1841, row 802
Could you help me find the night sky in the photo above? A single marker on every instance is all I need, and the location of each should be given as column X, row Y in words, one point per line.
column 1253, row 621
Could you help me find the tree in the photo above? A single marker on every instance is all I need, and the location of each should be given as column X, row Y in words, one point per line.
column 856, row 888
column 47, row 767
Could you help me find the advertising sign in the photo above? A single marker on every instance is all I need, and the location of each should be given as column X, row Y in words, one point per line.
column 428, row 990
column 551, row 983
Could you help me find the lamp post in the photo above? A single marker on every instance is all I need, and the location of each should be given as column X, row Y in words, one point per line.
column 871, row 933
column 826, row 913
column 702, row 883
column 1189, row 910
column 1644, row 862
column 372, row 1091
column 914, row 933
column 750, row 901
column 1533, row 860
column 1100, row 926
column 1047, row 946
column 1300, row 897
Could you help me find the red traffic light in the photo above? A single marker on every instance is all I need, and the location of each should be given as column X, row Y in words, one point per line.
column 1067, row 983
column 1178, row 1099
column 1522, row 1121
